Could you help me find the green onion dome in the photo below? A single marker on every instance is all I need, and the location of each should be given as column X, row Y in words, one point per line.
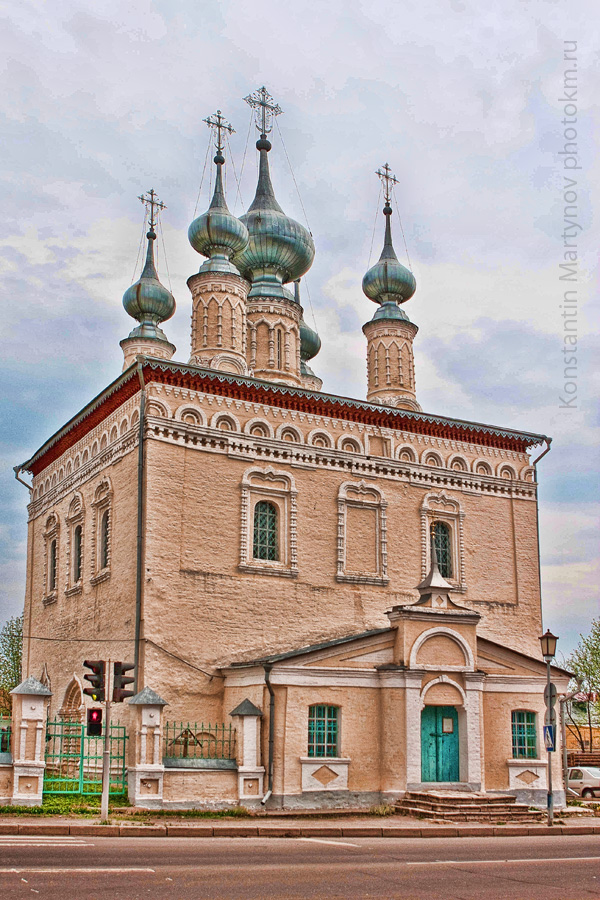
column 388, row 280
column 310, row 342
column 279, row 249
column 147, row 300
column 217, row 233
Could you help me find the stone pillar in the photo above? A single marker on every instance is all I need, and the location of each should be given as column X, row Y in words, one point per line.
column 134, row 346
column 390, row 361
column 273, row 349
column 28, row 741
column 219, row 321
column 250, row 773
column 414, row 705
column 471, row 736
column 145, row 775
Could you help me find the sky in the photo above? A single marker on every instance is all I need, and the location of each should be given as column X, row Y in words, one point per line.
column 497, row 166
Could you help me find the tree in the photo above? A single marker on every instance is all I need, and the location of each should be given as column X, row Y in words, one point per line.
column 584, row 662
column 11, row 653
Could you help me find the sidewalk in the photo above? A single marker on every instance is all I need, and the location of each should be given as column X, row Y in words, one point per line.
column 365, row 826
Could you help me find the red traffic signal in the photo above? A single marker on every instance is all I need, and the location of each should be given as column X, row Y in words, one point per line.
column 120, row 692
column 94, row 722
column 96, row 678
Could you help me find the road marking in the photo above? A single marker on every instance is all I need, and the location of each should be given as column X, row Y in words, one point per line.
column 487, row 862
column 35, row 843
column 87, row 870
column 333, row 843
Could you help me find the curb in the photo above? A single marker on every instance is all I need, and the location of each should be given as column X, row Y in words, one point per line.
column 294, row 831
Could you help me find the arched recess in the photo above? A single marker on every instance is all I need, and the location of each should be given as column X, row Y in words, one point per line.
column 447, row 632
column 259, row 428
column 225, row 421
column 406, row 453
column 157, row 409
column 73, row 707
column 190, row 414
column 319, row 438
column 447, row 683
column 289, row 433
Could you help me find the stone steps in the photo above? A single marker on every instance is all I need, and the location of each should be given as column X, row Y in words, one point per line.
column 458, row 807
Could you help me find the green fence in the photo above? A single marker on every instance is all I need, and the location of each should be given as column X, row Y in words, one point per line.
column 196, row 740
column 74, row 760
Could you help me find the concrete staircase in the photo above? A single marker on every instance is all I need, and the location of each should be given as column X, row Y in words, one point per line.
column 458, row 806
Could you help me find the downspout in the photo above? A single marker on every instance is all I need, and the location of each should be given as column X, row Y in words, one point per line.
column 140, row 527
column 30, row 548
column 537, row 514
column 271, row 734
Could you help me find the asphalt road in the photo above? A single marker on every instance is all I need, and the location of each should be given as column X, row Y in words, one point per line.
column 61, row 868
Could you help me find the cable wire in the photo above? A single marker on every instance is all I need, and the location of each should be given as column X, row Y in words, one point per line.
column 374, row 226
column 292, row 173
column 237, row 180
column 202, row 178
column 402, row 229
column 162, row 238
column 137, row 259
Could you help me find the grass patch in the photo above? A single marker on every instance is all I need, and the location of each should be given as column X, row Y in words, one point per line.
column 384, row 809
column 67, row 805
column 236, row 812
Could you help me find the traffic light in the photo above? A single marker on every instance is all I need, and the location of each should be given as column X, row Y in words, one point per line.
column 94, row 722
column 97, row 691
column 120, row 692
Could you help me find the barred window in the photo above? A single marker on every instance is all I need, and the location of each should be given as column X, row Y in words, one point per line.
column 441, row 539
column 265, row 544
column 77, row 548
column 52, row 566
column 104, row 540
column 323, row 730
column 524, row 737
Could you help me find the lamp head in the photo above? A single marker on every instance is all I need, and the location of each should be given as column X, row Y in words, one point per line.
column 548, row 642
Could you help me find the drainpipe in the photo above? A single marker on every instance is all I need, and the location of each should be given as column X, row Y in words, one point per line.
column 271, row 733
column 140, row 527
column 537, row 514
column 30, row 549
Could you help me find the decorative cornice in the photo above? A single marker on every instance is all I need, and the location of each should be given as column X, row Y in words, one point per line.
column 279, row 395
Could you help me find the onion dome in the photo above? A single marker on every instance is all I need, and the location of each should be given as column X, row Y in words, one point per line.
column 388, row 281
column 147, row 300
column 279, row 249
column 217, row 233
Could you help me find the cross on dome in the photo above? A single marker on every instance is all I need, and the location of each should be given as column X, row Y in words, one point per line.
column 152, row 203
column 265, row 109
column 388, row 181
column 218, row 124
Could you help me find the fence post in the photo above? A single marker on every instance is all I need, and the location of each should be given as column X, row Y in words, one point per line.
column 250, row 773
column 28, row 741
column 145, row 777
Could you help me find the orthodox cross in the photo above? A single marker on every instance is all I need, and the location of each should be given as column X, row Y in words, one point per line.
column 218, row 124
column 152, row 203
column 266, row 109
column 388, row 181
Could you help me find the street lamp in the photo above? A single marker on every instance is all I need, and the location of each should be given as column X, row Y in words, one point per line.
column 548, row 642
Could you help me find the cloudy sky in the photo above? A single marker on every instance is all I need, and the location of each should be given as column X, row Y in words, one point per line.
column 101, row 101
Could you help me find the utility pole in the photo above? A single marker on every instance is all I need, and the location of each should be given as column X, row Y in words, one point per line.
column 106, row 751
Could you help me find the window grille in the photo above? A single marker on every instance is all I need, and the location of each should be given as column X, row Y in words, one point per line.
column 441, row 539
column 77, row 546
column 104, row 524
column 194, row 740
column 524, row 737
column 265, row 544
column 323, row 731
column 279, row 354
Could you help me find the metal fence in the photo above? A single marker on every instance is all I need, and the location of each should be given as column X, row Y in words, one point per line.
column 196, row 740
column 74, row 760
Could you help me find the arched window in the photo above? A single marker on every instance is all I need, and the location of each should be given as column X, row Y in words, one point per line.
column 524, row 737
column 279, row 351
column 323, row 730
column 265, row 545
column 441, row 539
column 104, row 542
column 52, row 566
column 77, row 548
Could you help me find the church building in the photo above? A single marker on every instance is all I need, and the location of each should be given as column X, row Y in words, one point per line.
column 329, row 601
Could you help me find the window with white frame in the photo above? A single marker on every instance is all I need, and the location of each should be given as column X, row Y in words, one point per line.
column 442, row 522
column 362, row 534
column 74, row 566
column 102, row 531
column 268, row 522
column 323, row 731
column 51, row 556
column 524, row 734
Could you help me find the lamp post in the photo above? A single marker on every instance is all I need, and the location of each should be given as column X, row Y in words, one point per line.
column 548, row 642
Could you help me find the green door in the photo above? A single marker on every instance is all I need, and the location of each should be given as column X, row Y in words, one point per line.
column 439, row 744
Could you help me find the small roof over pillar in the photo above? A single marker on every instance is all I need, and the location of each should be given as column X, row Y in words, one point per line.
column 32, row 686
column 147, row 697
column 246, row 708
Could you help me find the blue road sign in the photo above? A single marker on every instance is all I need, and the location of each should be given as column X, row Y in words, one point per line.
column 549, row 738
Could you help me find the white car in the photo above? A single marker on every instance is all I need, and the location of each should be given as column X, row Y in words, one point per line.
column 584, row 781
